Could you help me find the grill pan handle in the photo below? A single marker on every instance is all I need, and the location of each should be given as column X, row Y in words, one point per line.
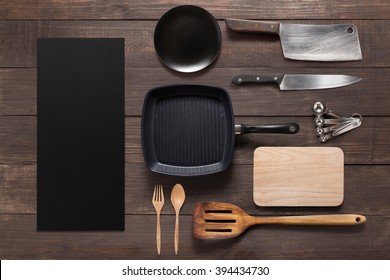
column 287, row 128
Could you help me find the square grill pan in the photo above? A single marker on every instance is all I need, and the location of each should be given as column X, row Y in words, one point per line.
column 187, row 130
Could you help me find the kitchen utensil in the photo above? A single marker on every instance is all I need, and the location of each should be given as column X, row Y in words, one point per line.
column 320, row 108
column 187, row 38
column 217, row 220
column 330, row 124
column 178, row 197
column 188, row 130
column 158, row 203
column 321, row 121
column 331, row 42
column 298, row 81
column 298, row 176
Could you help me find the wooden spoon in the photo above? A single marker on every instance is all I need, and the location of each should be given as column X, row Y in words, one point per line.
column 217, row 220
column 178, row 197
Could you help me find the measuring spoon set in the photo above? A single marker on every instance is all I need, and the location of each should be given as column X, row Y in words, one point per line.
column 330, row 124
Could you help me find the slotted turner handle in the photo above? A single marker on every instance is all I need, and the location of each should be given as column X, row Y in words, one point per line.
column 336, row 219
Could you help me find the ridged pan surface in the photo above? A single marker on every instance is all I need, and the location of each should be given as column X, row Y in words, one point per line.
column 187, row 130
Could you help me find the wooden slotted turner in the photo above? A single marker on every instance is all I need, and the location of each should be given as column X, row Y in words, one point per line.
column 217, row 220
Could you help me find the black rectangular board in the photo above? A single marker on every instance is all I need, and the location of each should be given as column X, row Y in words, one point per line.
column 80, row 134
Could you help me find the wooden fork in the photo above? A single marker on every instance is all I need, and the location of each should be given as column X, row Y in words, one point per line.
column 158, row 203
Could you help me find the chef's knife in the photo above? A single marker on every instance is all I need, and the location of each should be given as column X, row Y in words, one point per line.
column 298, row 81
column 331, row 42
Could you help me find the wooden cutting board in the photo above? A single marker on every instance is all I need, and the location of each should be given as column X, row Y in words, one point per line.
column 298, row 176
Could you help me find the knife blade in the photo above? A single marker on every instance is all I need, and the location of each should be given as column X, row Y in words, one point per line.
column 330, row 42
column 298, row 81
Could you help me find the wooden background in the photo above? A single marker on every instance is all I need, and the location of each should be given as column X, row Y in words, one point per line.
column 367, row 151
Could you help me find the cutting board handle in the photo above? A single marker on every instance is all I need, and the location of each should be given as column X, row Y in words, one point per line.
column 337, row 219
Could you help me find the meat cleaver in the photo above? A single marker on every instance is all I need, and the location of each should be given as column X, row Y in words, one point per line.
column 330, row 42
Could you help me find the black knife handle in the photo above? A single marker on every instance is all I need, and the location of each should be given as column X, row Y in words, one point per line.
column 252, row 26
column 287, row 128
column 266, row 78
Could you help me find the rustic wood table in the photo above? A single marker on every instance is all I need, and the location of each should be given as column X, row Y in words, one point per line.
column 366, row 149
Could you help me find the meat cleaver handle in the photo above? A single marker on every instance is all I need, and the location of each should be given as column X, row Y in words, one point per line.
column 266, row 78
column 287, row 128
column 252, row 26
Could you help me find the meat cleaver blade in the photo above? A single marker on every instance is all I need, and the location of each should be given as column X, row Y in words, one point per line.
column 330, row 42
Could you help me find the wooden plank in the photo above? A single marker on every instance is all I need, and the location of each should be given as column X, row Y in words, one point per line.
column 365, row 191
column 20, row 240
column 363, row 145
column 18, row 139
column 368, row 97
column 18, row 91
column 367, row 144
column 18, row 43
column 18, row 9
column 18, row 188
column 267, row 99
column 267, row 9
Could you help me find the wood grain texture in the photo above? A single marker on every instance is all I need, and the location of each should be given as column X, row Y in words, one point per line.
column 367, row 144
column 290, row 9
column 18, row 43
column 18, row 139
column 368, row 97
column 137, row 242
column 18, row 9
column 366, row 149
column 298, row 176
column 366, row 191
column 18, row 91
